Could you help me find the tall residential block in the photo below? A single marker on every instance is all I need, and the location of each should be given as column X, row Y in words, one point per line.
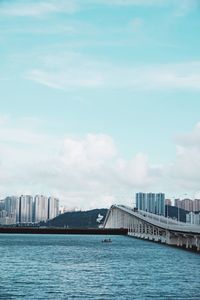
column 177, row 203
column 40, row 208
column 11, row 206
column 141, row 201
column 196, row 205
column 168, row 202
column 26, row 209
column 193, row 218
column 53, row 207
column 187, row 204
column 151, row 202
column 160, row 204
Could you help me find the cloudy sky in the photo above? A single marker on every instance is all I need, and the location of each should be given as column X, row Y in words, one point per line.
column 99, row 99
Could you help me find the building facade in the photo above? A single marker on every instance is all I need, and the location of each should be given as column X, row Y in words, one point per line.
column 188, row 204
column 193, row 218
column 168, row 202
column 141, row 201
column 11, row 206
column 177, row 203
column 26, row 209
column 40, row 208
column 151, row 202
column 53, row 207
column 196, row 205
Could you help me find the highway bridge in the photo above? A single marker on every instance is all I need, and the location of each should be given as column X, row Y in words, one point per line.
column 153, row 227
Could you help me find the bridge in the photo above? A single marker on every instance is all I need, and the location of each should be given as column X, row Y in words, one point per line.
column 153, row 227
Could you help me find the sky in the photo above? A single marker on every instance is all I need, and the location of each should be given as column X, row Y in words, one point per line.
column 99, row 99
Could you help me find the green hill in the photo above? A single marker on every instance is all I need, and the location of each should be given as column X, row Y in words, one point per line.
column 79, row 219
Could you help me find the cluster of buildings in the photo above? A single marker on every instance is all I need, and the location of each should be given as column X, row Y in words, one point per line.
column 193, row 218
column 155, row 203
column 193, row 208
column 188, row 204
column 151, row 202
column 27, row 209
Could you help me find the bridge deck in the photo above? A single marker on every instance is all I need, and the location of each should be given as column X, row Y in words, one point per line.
column 161, row 221
column 152, row 227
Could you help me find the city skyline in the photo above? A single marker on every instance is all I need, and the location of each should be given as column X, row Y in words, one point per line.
column 104, row 99
column 28, row 209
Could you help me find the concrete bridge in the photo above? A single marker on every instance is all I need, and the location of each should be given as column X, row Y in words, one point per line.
column 152, row 227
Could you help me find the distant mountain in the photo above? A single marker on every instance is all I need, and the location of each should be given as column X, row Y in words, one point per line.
column 79, row 219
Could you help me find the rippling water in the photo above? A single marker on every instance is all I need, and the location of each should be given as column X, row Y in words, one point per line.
column 81, row 267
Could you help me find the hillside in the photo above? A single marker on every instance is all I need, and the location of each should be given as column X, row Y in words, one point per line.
column 79, row 219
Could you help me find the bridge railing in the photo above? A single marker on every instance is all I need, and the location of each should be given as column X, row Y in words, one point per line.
column 161, row 218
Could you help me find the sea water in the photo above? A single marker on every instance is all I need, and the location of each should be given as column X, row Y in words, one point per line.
column 82, row 267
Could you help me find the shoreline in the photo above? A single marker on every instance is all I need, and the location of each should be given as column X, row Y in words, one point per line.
column 53, row 230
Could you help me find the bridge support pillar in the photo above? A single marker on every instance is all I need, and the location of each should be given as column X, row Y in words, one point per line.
column 179, row 241
column 198, row 244
column 188, row 243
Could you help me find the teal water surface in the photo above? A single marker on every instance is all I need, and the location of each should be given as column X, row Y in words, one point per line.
column 82, row 267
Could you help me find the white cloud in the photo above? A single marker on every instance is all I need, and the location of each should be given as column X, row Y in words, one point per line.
column 3, row 119
column 37, row 8
column 184, row 7
column 21, row 8
column 92, row 151
column 89, row 171
column 190, row 139
column 71, row 71
column 131, row 2
column 136, row 24
column 85, row 172
column 70, row 79
column 184, row 75
column 184, row 171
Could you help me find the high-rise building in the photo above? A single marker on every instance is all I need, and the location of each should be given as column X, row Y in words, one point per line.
column 3, row 214
column 160, row 204
column 177, row 203
column 2, row 205
column 187, row 204
column 196, row 205
column 141, row 201
column 40, row 208
column 151, row 202
column 53, row 207
column 193, row 218
column 11, row 206
column 26, row 209
column 168, row 202
column 7, row 220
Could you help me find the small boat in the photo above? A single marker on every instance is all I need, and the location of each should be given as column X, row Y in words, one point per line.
column 106, row 241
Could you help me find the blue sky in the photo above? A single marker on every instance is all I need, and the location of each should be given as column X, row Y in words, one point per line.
column 99, row 99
